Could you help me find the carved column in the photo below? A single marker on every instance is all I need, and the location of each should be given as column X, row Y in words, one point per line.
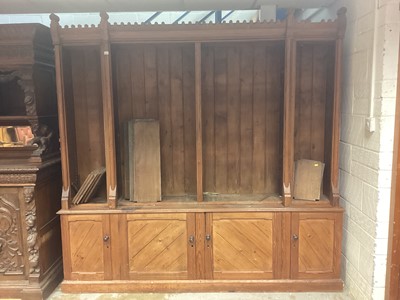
column 30, row 222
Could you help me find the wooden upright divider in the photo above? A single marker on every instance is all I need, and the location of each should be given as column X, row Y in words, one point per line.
column 334, row 196
column 226, row 98
column 199, row 126
column 66, row 190
column 108, row 110
column 288, row 115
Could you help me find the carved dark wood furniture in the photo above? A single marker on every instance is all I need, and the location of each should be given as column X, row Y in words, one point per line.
column 237, row 105
column 30, row 170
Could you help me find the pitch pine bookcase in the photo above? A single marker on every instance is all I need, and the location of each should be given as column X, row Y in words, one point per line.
column 237, row 105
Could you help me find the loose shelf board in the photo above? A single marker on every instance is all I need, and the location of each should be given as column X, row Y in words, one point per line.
column 144, row 160
column 89, row 186
column 308, row 179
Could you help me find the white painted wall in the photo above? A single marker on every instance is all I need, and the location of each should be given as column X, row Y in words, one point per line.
column 365, row 157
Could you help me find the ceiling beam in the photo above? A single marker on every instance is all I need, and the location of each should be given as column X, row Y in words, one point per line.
column 75, row 6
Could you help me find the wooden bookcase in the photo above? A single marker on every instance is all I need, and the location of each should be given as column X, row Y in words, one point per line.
column 237, row 105
column 30, row 164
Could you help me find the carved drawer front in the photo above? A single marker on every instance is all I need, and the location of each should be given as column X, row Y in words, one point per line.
column 243, row 245
column 12, row 262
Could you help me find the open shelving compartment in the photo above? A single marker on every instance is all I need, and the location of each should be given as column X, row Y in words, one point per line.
column 234, row 113
column 314, row 108
column 85, row 125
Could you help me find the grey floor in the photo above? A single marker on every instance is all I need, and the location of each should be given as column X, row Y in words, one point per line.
column 58, row 295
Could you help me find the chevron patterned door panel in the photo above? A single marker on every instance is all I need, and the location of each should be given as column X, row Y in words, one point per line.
column 159, row 246
column 316, row 245
column 244, row 245
column 87, row 257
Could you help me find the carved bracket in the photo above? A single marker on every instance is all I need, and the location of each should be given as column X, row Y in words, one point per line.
column 30, row 222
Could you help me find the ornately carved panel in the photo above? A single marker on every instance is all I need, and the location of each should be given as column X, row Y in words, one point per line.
column 11, row 258
column 30, row 222
column 17, row 178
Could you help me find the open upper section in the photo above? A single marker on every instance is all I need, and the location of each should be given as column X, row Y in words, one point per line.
column 236, row 104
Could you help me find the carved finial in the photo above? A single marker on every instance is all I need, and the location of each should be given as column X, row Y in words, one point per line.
column 104, row 25
column 342, row 11
column 290, row 20
column 341, row 19
column 290, row 15
column 54, row 18
column 54, row 25
column 104, row 16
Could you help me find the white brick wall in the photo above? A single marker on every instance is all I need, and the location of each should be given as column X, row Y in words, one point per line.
column 366, row 158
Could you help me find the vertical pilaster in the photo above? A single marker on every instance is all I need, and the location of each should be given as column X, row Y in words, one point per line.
column 334, row 192
column 108, row 111
column 288, row 112
column 62, row 111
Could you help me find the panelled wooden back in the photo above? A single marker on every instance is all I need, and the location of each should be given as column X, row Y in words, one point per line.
column 85, row 109
column 314, row 104
column 242, row 90
column 156, row 81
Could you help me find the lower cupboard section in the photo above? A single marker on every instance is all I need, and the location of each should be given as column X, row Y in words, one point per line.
column 219, row 251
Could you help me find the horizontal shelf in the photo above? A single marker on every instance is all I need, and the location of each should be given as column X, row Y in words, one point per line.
column 172, row 205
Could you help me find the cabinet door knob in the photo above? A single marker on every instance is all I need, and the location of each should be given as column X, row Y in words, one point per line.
column 208, row 237
column 106, row 238
column 191, row 239
column 295, row 237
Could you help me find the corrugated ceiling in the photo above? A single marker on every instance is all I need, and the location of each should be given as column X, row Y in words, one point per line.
column 70, row 6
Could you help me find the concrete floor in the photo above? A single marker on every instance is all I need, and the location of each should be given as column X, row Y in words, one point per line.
column 58, row 295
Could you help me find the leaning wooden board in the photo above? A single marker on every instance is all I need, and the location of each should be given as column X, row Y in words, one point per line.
column 144, row 160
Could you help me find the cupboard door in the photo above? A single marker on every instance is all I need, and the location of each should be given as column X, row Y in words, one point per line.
column 244, row 245
column 316, row 245
column 160, row 246
column 86, row 243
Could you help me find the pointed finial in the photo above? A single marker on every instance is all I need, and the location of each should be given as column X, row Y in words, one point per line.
column 341, row 18
column 104, row 16
column 54, row 18
column 54, row 25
